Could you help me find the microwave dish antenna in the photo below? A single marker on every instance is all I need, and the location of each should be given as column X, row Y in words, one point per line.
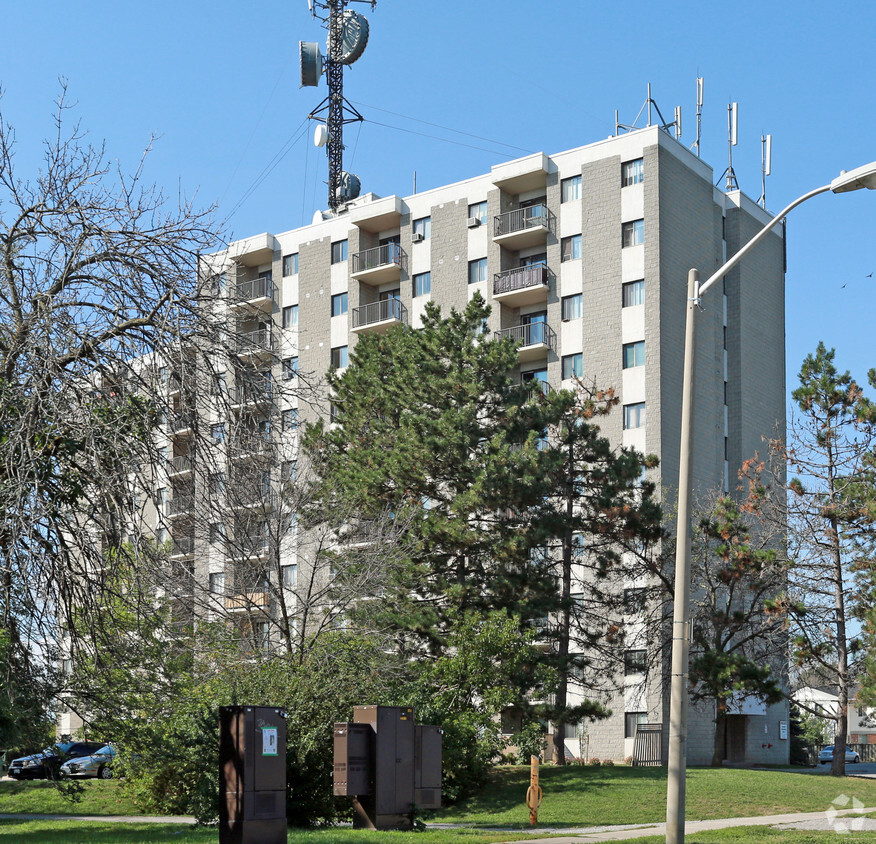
column 347, row 37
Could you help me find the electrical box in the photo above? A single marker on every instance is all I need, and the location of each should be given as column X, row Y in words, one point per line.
column 427, row 767
column 354, row 750
column 252, row 775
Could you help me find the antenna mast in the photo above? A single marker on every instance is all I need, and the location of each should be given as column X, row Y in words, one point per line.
column 766, row 157
column 731, row 183
column 700, row 86
column 346, row 41
column 673, row 127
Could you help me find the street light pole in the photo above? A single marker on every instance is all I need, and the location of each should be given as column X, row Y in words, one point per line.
column 862, row 177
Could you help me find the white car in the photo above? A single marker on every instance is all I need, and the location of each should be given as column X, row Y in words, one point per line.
column 826, row 755
column 99, row 764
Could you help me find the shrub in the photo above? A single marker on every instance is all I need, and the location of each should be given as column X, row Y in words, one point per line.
column 594, row 760
column 609, row 763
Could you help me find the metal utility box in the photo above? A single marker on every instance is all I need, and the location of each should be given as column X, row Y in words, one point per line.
column 427, row 766
column 354, row 750
column 252, row 775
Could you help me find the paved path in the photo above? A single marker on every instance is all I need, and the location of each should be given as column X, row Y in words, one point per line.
column 798, row 820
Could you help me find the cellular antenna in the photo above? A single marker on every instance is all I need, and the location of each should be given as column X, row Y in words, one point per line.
column 670, row 127
column 766, row 157
column 346, row 41
column 700, row 86
column 731, row 183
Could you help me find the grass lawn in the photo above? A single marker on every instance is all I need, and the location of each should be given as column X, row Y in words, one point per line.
column 756, row 834
column 100, row 797
column 79, row 832
column 584, row 796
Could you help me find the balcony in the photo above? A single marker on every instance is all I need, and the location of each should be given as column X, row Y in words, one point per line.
column 181, row 425
column 252, row 545
column 379, row 316
column 180, row 466
column 181, row 505
column 521, row 286
column 249, row 447
column 260, row 502
column 379, row 265
column 255, row 344
column 533, row 340
column 256, row 601
column 523, row 227
column 182, row 548
column 256, row 295
column 254, row 394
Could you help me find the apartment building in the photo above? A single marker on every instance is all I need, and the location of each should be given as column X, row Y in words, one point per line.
column 583, row 256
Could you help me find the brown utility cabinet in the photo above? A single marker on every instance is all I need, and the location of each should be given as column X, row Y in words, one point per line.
column 354, row 750
column 427, row 766
column 252, row 775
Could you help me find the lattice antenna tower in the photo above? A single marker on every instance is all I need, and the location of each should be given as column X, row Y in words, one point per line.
column 347, row 37
column 673, row 127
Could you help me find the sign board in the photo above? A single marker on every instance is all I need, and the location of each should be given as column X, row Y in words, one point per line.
column 783, row 730
column 269, row 741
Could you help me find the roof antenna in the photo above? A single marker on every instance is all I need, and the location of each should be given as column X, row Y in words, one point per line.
column 766, row 157
column 347, row 39
column 731, row 183
column 673, row 126
column 700, row 86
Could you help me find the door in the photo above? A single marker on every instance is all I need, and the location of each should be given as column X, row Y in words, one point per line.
column 535, row 332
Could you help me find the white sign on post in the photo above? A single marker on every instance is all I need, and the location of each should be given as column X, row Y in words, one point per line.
column 269, row 741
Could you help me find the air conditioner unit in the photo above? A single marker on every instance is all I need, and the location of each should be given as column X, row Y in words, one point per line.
column 473, row 222
column 416, row 237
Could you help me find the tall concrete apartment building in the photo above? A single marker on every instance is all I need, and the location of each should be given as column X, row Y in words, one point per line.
column 583, row 256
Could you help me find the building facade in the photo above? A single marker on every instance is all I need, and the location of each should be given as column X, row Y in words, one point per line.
column 584, row 257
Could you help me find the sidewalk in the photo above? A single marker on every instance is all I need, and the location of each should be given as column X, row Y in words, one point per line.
column 798, row 820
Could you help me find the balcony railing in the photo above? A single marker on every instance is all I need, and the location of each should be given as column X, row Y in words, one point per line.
column 255, row 342
column 249, row 445
column 249, row 600
column 253, row 544
column 250, row 291
column 184, row 546
column 521, row 219
column 258, row 501
column 390, row 254
column 181, row 422
column 520, row 278
column 179, row 465
column 531, row 334
column 254, row 393
column 380, row 312
column 180, row 505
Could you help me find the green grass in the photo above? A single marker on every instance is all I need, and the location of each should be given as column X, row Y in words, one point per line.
column 99, row 797
column 584, row 796
column 757, row 834
column 79, row 832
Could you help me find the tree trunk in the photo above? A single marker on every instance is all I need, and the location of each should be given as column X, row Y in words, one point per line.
column 720, row 736
column 838, row 766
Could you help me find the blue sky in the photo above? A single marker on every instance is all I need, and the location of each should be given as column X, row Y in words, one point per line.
column 219, row 83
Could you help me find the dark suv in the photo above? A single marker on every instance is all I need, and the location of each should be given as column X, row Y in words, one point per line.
column 45, row 765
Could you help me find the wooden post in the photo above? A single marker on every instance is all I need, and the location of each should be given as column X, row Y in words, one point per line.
column 533, row 793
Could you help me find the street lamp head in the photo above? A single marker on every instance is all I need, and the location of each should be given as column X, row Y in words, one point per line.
column 860, row 177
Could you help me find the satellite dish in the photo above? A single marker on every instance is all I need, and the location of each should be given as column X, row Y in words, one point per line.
column 311, row 63
column 349, row 188
column 320, row 135
column 354, row 37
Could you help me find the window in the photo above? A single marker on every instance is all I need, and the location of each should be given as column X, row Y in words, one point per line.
column 635, row 599
column 340, row 357
column 634, row 354
column 339, row 251
column 423, row 227
column 634, row 416
column 633, row 233
column 289, row 419
column 339, row 304
column 217, row 583
column 217, row 433
column 571, row 248
column 571, row 307
column 217, row 532
column 478, row 210
column 572, row 366
column 290, row 264
column 290, row 368
column 290, row 316
column 289, row 576
column 288, row 471
column 477, row 271
column 634, row 661
column 631, row 721
column 220, row 388
column 422, row 284
column 633, row 293
column 570, row 189
column 632, row 173
column 217, row 483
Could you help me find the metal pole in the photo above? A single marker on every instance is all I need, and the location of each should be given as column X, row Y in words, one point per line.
column 680, row 639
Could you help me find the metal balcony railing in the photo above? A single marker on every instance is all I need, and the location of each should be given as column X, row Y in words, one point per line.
column 380, row 256
column 255, row 342
column 181, row 422
column 380, row 312
column 251, row 393
column 253, row 544
column 520, row 278
column 249, row 445
column 248, row 291
column 520, row 219
column 180, row 464
column 184, row 546
column 180, row 505
column 532, row 334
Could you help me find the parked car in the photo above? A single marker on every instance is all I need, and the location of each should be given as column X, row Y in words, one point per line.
column 46, row 764
column 98, row 764
column 826, row 755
